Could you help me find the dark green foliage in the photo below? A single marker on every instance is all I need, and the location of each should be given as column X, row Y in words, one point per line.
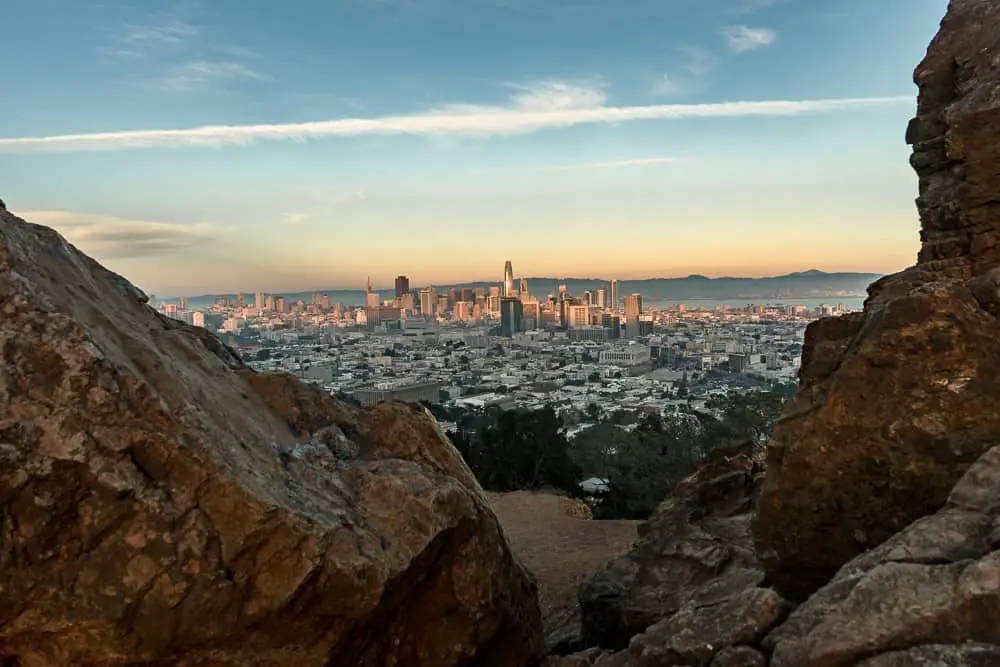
column 518, row 449
column 643, row 465
column 524, row 449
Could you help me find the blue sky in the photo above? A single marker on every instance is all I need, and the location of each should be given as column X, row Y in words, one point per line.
column 223, row 145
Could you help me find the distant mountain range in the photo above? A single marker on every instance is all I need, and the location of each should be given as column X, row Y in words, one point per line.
column 812, row 284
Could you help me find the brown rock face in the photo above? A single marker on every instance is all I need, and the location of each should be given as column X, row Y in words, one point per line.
column 162, row 505
column 896, row 402
column 694, row 554
column 930, row 595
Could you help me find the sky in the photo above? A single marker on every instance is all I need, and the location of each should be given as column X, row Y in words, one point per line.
column 244, row 145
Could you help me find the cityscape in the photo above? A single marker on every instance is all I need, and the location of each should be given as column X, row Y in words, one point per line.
column 500, row 333
column 589, row 354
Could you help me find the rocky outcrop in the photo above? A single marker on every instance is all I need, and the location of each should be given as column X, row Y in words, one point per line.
column 896, row 402
column 688, row 588
column 930, row 595
column 881, row 507
column 162, row 505
column 689, row 592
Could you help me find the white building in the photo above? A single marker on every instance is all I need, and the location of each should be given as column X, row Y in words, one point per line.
column 630, row 355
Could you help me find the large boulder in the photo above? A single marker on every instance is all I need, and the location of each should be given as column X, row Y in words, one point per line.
column 896, row 402
column 930, row 595
column 162, row 505
column 695, row 552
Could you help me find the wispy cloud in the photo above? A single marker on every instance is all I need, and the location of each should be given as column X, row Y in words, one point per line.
column 321, row 205
column 162, row 30
column 531, row 110
column 161, row 34
column 688, row 74
column 179, row 56
column 698, row 62
column 617, row 164
column 754, row 6
column 200, row 74
column 666, row 85
column 110, row 237
column 741, row 38
column 292, row 218
column 557, row 95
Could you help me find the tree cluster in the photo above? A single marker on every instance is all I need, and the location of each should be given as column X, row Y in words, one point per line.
column 641, row 456
column 518, row 449
column 641, row 466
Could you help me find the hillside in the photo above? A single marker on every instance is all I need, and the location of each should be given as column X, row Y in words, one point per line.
column 561, row 549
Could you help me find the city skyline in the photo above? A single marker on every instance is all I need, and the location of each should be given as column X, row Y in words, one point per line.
column 198, row 148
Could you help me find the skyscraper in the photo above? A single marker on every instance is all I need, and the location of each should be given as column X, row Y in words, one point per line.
column 633, row 307
column 613, row 295
column 402, row 286
column 524, row 287
column 511, row 316
column 602, row 298
column 428, row 301
column 260, row 301
column 371, row 298
column 508, row 279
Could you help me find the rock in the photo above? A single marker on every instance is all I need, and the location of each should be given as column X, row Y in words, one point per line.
column 697, row 632
column 592, row 657
column 161, row 504
column 739, row 656
column 946, row 655
column 696, row 548
column 582, row 659
column 913, row 600
column 896, row 402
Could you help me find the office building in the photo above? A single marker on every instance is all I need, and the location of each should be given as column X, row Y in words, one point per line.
column 613, row 324
column 428, row 300
column 511, row 316
column 633, row 308
column 462, row 311
column 578, row 315
column 402, row 286
column 629, row 355
column 371, row 298
column 508, row 279
column 613, row 289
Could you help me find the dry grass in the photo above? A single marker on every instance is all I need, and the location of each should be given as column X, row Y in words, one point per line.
column 562, row 551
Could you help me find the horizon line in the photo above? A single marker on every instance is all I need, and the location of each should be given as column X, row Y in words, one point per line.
column 468, row 283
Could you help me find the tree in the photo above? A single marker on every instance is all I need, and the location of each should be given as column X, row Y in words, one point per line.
column 522, row 449
column 682, row 386
column 593, row 412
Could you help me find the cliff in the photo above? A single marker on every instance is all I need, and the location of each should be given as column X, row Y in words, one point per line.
column 876, row 532
column 163, row 505
column 896, row 402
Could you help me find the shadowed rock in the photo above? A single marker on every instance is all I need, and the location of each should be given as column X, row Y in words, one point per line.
column 696, row 548
column 163, row 505
column 896, row 402
column 934, row 586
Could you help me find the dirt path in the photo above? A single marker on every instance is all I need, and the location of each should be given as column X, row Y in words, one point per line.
column 561, row 550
